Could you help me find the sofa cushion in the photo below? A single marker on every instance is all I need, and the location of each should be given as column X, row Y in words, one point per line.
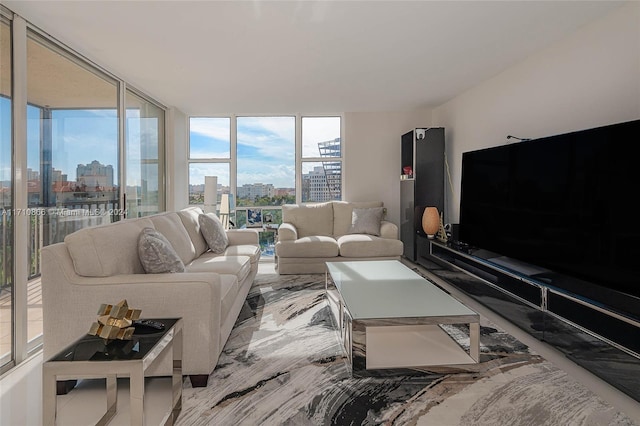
column 240, row 266
column 366, row 221
column 249, row 250
column 310, row 219
column 243, row 236
column 170, row 225
column 287, row 232
column 229, row 291
column 342, row 211
column 189, row 217
column 213, row 232
column 156, row 253
column 317, row 246
column 107, row 250
column 361, row 245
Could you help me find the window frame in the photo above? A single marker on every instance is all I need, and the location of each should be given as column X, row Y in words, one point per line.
column 22, row 32
column 299, row 159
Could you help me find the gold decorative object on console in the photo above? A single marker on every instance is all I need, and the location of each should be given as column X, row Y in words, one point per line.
column 441, row 235
column 430, row 221
column 115, row 321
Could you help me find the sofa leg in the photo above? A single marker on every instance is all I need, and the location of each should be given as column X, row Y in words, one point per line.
column 199, row 380
column 63, row 387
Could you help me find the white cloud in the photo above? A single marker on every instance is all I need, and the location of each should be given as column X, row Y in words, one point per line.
column 216, row 128
column 270, row 135
column 197, row 172
column 318, row 129
column 255, row 171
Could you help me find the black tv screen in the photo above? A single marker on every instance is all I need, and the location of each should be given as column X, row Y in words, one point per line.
column 565, row 203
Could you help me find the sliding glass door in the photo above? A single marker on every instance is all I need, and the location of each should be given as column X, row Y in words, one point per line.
column 144, row 139
column 6, row 200
column 72, row 155
column 70, row 134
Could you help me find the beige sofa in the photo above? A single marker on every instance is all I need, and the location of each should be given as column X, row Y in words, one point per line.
column 313, row 234
column 101, row 265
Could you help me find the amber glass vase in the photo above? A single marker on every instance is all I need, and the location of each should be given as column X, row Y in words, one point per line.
column 430, row 221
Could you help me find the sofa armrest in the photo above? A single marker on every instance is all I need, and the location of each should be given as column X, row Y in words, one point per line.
column 287, row 232
column 70, row 303
column 388, row 230
column 239, row 237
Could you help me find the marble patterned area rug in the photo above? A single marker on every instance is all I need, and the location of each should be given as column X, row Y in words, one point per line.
column 283, row 365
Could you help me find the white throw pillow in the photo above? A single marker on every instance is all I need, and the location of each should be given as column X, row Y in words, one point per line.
column 366, row 221
column 213, row 232
column 157, row 254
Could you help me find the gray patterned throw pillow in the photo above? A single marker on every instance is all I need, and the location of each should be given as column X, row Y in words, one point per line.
column 366, row 221
column 156, row 253
column 213, row 232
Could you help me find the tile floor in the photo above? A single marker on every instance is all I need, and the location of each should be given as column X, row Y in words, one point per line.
column 21, row 388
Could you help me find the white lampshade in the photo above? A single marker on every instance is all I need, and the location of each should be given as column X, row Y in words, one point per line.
column 224, row 204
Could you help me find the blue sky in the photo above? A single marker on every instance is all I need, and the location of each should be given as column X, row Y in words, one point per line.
column 265, row 146
column 82, row 136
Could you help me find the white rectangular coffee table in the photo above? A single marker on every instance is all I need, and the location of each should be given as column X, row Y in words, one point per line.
column 389, row 318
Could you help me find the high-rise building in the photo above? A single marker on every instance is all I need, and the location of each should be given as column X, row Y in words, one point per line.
column 95, row 175
column 324, row 183
column 314, row 185
column 32, row 174
column 58, row 176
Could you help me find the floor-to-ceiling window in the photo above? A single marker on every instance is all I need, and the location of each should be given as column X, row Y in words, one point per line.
column 72, row 152
column 6, row 199
column 210, row 155
column 265, row 162
column 70, row 134
column 266, row 173
column 144, row 136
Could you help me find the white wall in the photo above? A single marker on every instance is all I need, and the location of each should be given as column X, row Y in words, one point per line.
column 589, row 79
column 372, row 155
column 177, row 166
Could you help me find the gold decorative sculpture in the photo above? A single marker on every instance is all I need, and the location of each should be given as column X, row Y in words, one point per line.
column 115, row 321
column 441, row 235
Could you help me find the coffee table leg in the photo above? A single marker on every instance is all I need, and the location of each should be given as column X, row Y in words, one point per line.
column 48, row 398
column 136, row 389
column 474, row 341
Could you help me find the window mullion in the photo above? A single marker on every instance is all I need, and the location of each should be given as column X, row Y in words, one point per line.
column 20, row 194
column 298, row 158
column 233, row 154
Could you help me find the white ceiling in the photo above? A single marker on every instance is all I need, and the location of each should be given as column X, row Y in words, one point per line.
column 207, row 57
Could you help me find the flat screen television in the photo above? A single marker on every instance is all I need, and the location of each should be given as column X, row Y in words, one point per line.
column 566, row 204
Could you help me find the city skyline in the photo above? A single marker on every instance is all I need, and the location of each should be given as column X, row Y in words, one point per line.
column 265, row 150
column 80, row 136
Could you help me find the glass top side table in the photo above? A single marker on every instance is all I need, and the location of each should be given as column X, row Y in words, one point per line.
column 90, row 357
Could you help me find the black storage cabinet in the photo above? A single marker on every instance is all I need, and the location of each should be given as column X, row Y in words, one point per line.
column 422, row 149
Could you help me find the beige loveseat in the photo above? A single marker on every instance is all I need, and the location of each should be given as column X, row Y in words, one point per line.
column 313, row 234
column 101, row 265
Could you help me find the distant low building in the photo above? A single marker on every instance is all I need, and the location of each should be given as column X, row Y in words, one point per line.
column 256, row 190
